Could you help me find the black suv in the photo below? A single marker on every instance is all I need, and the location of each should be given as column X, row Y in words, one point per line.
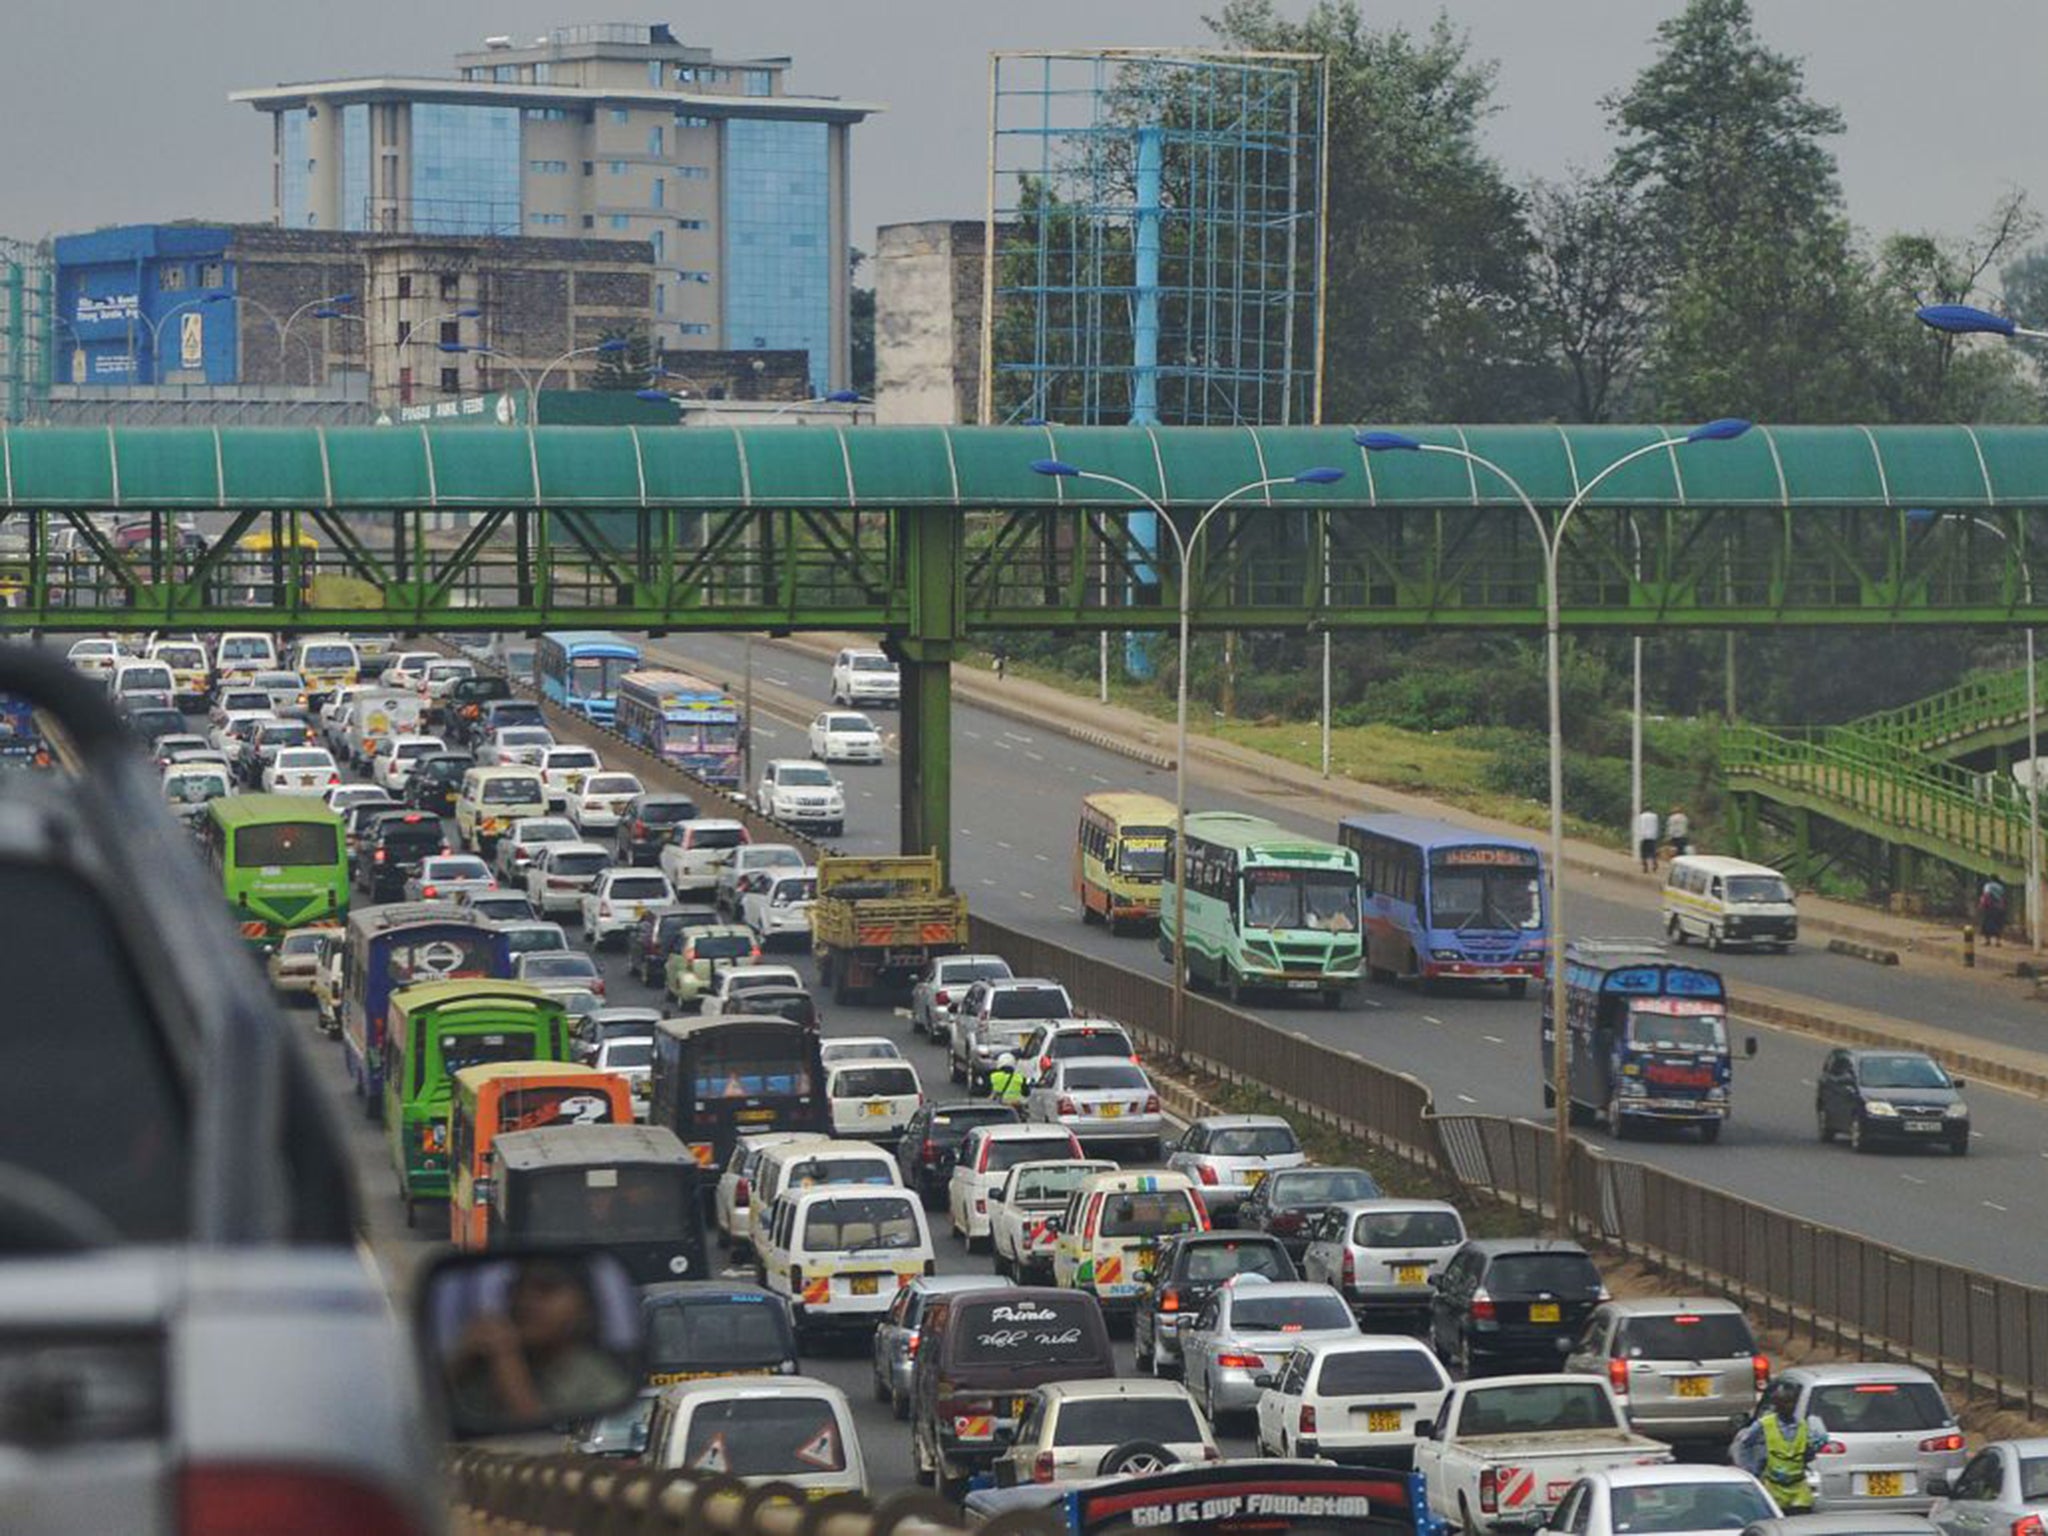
column 391, row 849
column 1188, row 1271
column 1891, row 1096
column 932, row 1139
column 1512, row 1303
column 1288, row 1200
column 647, row 821
column 433, row 782
column 464, row 706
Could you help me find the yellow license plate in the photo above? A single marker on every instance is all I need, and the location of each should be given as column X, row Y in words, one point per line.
column 1383, row 1421
column 1146, row 1258
column 1410, row 1274
column 1544, row 1312
column 1109, row 1111
column 874, row 1109
column 1884, row 1485
column 863, row 1285
column 1256, row 1177
column 1695, row 1386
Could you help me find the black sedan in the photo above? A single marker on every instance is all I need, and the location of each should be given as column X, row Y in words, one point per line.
column 1895, row 1097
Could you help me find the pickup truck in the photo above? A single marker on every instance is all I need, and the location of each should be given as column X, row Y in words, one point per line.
column 879, row 922
column 1504, row 1450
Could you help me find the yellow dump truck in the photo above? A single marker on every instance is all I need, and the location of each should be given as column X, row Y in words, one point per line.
column 877, row 922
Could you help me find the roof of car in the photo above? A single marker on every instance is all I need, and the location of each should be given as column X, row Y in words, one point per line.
column 1853, row 1374
column 1494, row 1247
column 711, row 1290
column 1670, row 1474
column 1261, row 1286
column 1670, row 1306
column 560, row 1146
column 954, row 1284
column 1369, row 1344
column 1389, row 1203
column 721, row 1387
column 1847, row 1522
column 1113, row 1386
column 1874, row 1050
column 1233, row 1122
column 1004, row 1130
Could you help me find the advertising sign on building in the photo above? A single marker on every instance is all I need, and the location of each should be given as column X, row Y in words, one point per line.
column 191, row 340
column 93, row 307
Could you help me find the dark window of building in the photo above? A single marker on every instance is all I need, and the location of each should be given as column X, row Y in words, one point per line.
column 589, row 221
column 451, row 330
column 450, row 284
column 210, row 274
column 589, row 166
column 404, row 332
column 404, row 292
column 451, row 380
column 405, row 386
column 170, row 277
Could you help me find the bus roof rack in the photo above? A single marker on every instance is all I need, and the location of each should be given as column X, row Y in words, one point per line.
column 1613, row 948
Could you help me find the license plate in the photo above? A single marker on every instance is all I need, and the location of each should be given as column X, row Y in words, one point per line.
column 874, row 1109
column 1300, row 986
column 1695, row 1386
column 864, row 1285
column 1147, row 1257
column 1883, row 1485
column 1544, row 1312
column 1256, row 1177
column 1383, row 1421
column 1923, row 1125
column 1109, row 1111
column 1411, row 1274
column 1018, row 1406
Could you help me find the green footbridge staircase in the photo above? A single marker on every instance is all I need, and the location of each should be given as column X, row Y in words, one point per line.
column 1895, row 779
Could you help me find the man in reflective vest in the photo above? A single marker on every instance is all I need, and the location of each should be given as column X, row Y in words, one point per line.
column 1777, row 1446
column 1006, row 1082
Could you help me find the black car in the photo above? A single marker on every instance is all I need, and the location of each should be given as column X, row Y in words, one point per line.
column 932, row 1139
column 500, row 714
column 645, row 824
column 1891, row 1096
column 1288, row 1200
column 465, row 703
column 648, row 945
column 152, row 724
column 1186, row 1273
column 1512, row 1303
column 434, row 781
column 357, row 820
column 391, row 849
column 791, row 1003
column 716, row 1328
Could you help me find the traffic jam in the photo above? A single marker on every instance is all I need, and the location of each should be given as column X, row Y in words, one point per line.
column 890, row 1211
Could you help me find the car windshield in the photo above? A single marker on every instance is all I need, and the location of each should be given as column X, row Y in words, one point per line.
column 787, row 893
column 632, row 1051
column 772, row 856
column 328, row 656
column 502, row 905
column 526, row 736
column 518, row 710
column 572, row 758
column 579, row 861
column 1113, row 1421
column 304, row 757
column 1104, row 1075
column 612, row 784
column 860, row 1050
column 760, row 1437
column 723, row 946
column 457, row 869
column 1212, row 1263
column 855, row 723
column 194, row 787
column 1142, row 851
column 956, row 973
column 703, row 1333
column 1044, row 1185
column 1901, row 1072
column 476, row 1048
column 512, row 792
column 1657, row 1507
column 1868, row 1408
column 1070, row 1043
column 950, row 1126
column 567, row 965
column 302, row 941
column 1555, row 1274
column 535, row 938
column 874, row 1082
column 1661, row 1030
column 1253, row 1141
column 1148, row 1213
column 287, row 845
column 1288, row 1314
column 665, row 813
column 812, row 1172
column 1318, row 1187
column 716, row 837
column 1686, row 1336
column 1758, row 890
column 851, row 1222
column 1370, row 1372
column 1408, row 1229
column 1325, row 900
column 802, row 774
column 1485, row 889
column 545, row 832
column 1536, row 1408
column 601, row 1205
column 1030, row 1003
column 873, row 664
column 2034, row 1478
column 1005, row 1154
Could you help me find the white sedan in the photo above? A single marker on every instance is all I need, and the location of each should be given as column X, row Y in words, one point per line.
column 564, row 769
column 394, row 765
column 841, row 736
column 596, row 806
column 301, row 771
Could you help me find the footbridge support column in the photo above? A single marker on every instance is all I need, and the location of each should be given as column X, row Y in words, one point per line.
column 925, row 652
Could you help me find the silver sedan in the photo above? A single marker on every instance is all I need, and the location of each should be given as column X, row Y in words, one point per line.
column 1246, row 1329
column 1101, row 1100
column 2004, row 1487
column 896, row 1337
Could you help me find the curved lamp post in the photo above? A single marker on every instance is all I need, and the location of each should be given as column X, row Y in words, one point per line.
column 1184, row 547
column 1552, row 540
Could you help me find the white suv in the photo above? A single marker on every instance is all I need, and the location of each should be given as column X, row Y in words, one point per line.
column 616, row 901
column 862, row 676
column 799, row 793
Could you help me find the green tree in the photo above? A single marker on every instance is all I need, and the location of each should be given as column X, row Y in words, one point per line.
column 1427, row 282
column 1594, row 280
column 860, row 316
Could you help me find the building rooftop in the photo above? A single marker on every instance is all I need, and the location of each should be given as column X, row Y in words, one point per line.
column 284, row 96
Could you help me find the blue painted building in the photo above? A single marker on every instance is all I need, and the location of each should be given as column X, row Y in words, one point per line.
column 145, row 304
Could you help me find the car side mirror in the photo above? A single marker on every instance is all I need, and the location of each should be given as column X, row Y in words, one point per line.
column 515, row 1342
column 1958, row 1084
column 1938, row 1486
column 1424, row 1428
column 995, row 1197
column 1749, row 1047
column 1264, row 1380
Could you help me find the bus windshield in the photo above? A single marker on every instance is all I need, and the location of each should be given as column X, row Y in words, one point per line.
column 1325, row 899
column 1493, row 896
column 286, row 844
column 1142, row 851
column 753, row 1065
column 605, row 1205
column 1658, row 1030
column 597, row 677
column 468, row 1048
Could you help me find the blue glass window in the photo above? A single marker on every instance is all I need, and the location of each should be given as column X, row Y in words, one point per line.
column 760, row 82
column 292, row 210
column 621, row 221
column 654, row 73
column 694, row 172
column 778, row 266
column 550, row 220
column 616, row 167
column 548, row 167
column 620, row 114
column 694, row 328
column 659, row 194
column 658, row 245
column 355, row 166
column 660, row 297
column 465, row 169
column 505, row 74
column 654, row 141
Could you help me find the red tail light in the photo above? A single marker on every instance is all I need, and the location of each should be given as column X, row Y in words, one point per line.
column 429, row 891
column 1044, row 1064
column 1169, row 1300
column 1952, row 1442
column 1042, row 1468
column 2027, row 1525
column 1762, row 1366
column 942, row 997
column 1151, row 1103
column 639, row 828
column 378, row 857
column 1489, row 1491
column 1350, row 1275
column 1206, row 1173
column 333, row 779
column 1240, row 1362
column 1482, row 1307
column 1305, row 1422
column 1832, row 1448
column 742, row 1193
column 928, row 1153
column 1617, row 1377
column 910, row 1349
column 256, row 1500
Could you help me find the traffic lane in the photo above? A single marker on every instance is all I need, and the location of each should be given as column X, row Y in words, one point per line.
column 1035, row 813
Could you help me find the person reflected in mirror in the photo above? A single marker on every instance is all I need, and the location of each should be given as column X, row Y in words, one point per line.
column 538, row 1358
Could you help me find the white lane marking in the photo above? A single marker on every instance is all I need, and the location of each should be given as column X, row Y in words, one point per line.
column 1042, row 858
column 780, row 682
column 1027, row 896
column 1098, row 778
column 1910, row 1179
column 867, row 794
column 1070, row 912
column 1001, row 844
column 1036, row 757
column 1992, row 1205
column 1429, row 1018
column 1466, row 1098
column 972, row 735
column 1007, row 746
column 965, row 831
column 1373, row 1002
column 988, row 882
column 1019, row 736
column 1806, row 1082
column 1493, row 1039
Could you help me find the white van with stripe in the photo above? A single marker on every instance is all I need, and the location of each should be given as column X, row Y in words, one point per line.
column 759, row 1429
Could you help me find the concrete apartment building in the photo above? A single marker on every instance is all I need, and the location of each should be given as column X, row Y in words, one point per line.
column 610, row 130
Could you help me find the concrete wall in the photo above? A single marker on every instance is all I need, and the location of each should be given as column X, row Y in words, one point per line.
column 928, row 280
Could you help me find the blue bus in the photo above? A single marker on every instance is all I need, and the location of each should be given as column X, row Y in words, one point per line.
column 580, row 670
column 683, row 720
column 1445, row 903
column 401, row 945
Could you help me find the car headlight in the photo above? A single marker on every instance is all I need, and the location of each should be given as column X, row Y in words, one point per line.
column 1880, row 1107
column 1956, row 1112
column 1634, row 1088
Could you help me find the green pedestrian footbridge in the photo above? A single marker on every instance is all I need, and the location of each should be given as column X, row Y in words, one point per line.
column 930, row 536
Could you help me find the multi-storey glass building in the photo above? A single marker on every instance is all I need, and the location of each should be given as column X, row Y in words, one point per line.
column 608, row 130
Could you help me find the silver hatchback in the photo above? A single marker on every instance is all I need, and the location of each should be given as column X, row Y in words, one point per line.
column 1382, row 1255
column 1685, row 1367
column 897, row 1334
column 1246, row 1329
column 1889, row 1433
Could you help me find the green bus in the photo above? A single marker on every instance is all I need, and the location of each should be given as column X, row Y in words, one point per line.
column 432, row 1032
column 1266, row 908
column 282, row 861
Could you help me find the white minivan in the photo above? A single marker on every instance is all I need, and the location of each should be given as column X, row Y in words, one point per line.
column 782, row 1429
column 844, row 1252
column 1728, row 901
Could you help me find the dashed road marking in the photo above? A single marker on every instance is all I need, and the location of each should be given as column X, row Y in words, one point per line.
column 1373, row 1002
column 988, row 882
column 972, row 735
column 1036, row 757
column 1042, row 858
column 1070, row 912
column 1466, row 1098
column 1911, row 1179
column 1992, row 1205
column 1098, row 778
column 1493, row 1039
column 779, row 682
column 1001, row 844
column 1430, row 1018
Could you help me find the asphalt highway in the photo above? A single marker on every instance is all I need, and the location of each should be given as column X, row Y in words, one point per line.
column 1016, row 797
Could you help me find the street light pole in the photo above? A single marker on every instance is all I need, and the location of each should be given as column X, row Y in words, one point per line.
column 1184, row 547
column 1552, row 540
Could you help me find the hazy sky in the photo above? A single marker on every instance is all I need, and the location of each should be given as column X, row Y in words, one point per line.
column 115, row 111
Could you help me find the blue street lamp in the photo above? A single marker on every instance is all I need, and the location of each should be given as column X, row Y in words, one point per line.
column 1969, row 320
column 1184, row 547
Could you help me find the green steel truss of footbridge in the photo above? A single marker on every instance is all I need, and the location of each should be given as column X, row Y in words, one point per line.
column 930, row 535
